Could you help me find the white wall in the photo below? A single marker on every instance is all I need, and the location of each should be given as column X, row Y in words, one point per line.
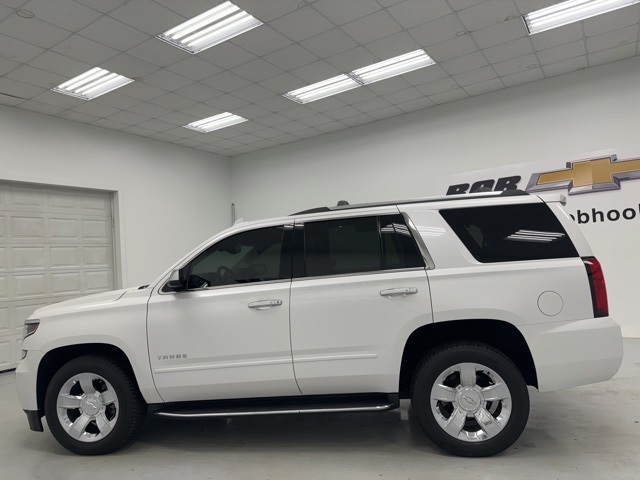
column 170, row 198
column 405, row 156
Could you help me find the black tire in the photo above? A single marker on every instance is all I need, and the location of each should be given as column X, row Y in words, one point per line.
column 444, row 359
column 127, row 415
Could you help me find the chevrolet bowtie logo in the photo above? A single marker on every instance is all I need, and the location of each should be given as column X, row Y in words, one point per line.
column 587, row 176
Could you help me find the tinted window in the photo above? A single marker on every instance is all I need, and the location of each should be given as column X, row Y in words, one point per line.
column 253, row 256
column 354, row 245
column 506, row 233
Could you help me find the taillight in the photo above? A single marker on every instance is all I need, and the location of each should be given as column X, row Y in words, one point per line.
column 598, row 287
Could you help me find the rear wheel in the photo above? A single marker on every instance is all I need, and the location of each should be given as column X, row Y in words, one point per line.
column 470, row 399
column 93, row 406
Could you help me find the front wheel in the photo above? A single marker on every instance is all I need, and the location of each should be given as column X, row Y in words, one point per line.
column 470, row 399
column 93, row 406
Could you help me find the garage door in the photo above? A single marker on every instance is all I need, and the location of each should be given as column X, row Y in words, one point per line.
column 55, row 244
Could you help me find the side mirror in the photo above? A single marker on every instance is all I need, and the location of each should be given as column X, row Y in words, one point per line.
column 176, row 282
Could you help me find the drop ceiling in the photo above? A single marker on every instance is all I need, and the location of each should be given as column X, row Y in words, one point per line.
column 479, row 46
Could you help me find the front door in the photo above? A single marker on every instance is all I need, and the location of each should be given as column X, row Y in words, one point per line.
column 227, row 336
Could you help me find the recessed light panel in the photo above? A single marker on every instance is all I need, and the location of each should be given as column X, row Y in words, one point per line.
column 216, row 122
column 570, row 11
column 210, row 28
column 92, row 84
column 392, row 67
column 326, row 88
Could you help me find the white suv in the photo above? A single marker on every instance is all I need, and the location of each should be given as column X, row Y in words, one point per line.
column 457, row 303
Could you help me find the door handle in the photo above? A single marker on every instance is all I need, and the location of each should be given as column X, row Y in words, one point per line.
column 398, row 292
column 264, row 304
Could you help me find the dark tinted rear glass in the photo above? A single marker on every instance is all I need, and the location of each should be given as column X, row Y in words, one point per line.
column 506, row 233
column 399, row 249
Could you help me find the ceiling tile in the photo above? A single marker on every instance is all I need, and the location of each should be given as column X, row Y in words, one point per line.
column 67, row 14
column 464, row 63
column 292, row 127
column 165, row 137
column 562, row 52
column 329, row 43
column 315, row 120
column 283, row 83
column 17, row 50
column 177, row 118
column 110, row 124
column 456, row 47
column 516, row 65
column 458, row 5
column 388, row 3
column 317, row 71
column 484, row 87
column 19, row 89
column 528, row 6
column 198, row 92
column 36, row 76
column 508, row 50
column 136, row 130
column 201, row 110
column 308, row 133
column 616, row 38
column 297, row 112
column 612, row 21
column 158, row 53
column 85, row 50
column 325, row 104
column 12, row 3
column 475, row 76
column 246, row 138
column 450, row 96
column 389, row 85
column 117, row 100
column 103, row 6
column 7, row 66
column 356, row 95
column 253, row 93
column 557, row 36
column 128, row 118
column 437, row 31
column 95, row 109
column 391, row 111
column 167, row 80
column 129, row 66
column 227, row 103
column 402, row 96
column 341, row 12
column 114, row 34
column 194, row 68
column 565, row 67
column 268, row 133
column 147, row 16
column 191, row 8
column 358, row 120
column 149, row 110
column 276, row 104
column 372, row 104
column 261, row 40
column 57, row 100
column 156, row 125
column 501, row 33
column 416, row 12
column 351, row 59
column 262, row 144
column 226, row 82
column 526, row 76
column 393, row 45
column 141, row 90
column 34, row 31
column 417, row 104
column 343, row 112
column 612, row 54
column 257, row 70
column 487, row 14
column 372, row 27
column 226, row 55
column 305, row 22
column 41, row 108
column 78, row 116
column 267, row 11
column 439, row 86
column 56, row 63
column 173, row 101
column 425, row 75
column 182, row 132
column 291, row 57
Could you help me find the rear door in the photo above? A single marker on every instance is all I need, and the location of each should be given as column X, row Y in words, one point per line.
column 359, row 290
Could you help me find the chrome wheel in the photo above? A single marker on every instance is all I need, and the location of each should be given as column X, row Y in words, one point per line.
column 471, row 402
column 87, row 407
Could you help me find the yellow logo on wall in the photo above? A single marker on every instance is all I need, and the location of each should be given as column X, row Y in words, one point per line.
column 587, row 176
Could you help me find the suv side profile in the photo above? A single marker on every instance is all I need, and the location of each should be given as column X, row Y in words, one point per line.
column 457, row 303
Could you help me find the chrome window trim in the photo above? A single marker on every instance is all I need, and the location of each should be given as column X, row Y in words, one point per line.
column 419, row 241
column 221, row 287
column 358, row 274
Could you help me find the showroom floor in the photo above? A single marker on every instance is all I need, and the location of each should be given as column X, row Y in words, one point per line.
column 582, row 433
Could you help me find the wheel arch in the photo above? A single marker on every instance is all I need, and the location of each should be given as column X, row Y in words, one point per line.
column 497, row 333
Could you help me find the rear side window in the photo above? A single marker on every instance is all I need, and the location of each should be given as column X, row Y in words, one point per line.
column 507, row 233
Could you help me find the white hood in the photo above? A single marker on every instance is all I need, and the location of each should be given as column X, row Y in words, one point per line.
column 98, row 298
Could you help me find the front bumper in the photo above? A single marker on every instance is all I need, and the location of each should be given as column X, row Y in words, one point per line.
column 569, row 354
column 27, row 380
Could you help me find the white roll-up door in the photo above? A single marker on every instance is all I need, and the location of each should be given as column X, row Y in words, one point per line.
column 55, row 244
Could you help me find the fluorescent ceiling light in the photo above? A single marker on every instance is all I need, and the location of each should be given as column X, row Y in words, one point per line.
column 92, row 84
column 216, row 122
column 326, row 88
column 392, row 67
column 570, row 11
column 210, row 28
column 362, row 76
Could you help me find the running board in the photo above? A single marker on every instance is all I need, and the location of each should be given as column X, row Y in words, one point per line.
column 271, row 407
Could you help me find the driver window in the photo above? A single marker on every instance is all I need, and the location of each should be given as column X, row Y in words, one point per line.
column 248, row 257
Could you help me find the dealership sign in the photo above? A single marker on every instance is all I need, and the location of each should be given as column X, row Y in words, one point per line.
column 603, row 197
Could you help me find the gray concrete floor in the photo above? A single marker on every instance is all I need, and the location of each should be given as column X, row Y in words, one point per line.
column 583, row 433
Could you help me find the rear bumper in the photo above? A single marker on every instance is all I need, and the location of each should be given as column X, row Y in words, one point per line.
column 569, row 354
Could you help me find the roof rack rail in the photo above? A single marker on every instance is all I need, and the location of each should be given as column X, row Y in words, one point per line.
column 443, row 198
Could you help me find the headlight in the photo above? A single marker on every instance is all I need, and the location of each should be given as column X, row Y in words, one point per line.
column 30, row 327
